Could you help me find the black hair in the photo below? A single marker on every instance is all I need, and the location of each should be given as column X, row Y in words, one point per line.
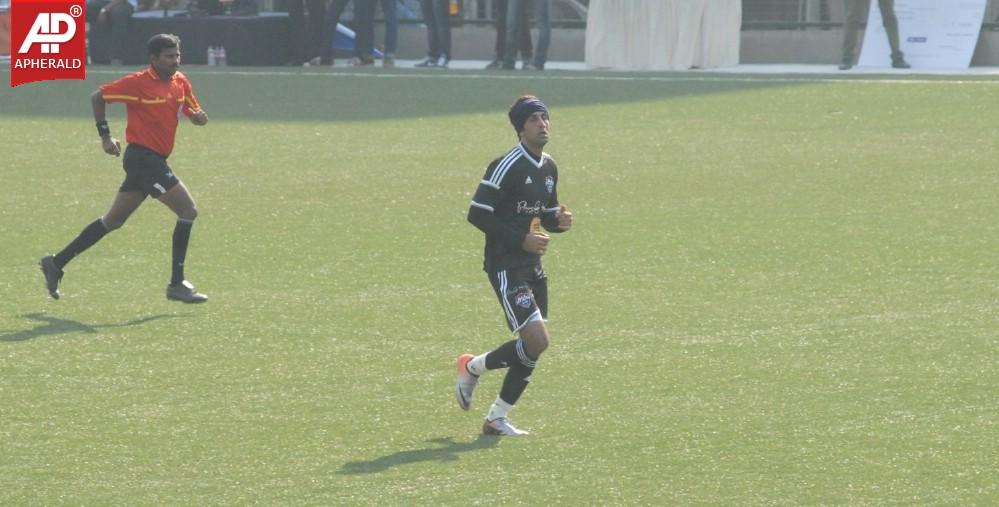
column 157, row 43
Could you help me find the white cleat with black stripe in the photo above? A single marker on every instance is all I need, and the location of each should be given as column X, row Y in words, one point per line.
column 184, row 291
column 501, row 427
column 465, row 387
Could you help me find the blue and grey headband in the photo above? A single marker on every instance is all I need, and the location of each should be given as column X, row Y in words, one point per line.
column 521, row 112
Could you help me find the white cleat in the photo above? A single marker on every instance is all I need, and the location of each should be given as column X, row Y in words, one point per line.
column 465, row 387
column 501, row 427
column 185, row 292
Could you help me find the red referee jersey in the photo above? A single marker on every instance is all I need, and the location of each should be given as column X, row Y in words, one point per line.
column 154, row 107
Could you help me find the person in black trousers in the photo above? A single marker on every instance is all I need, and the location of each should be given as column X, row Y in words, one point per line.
column 438, row 21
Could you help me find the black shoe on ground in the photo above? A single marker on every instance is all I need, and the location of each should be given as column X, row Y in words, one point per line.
column 900, row 64
column 52, row 275
column 845, row 66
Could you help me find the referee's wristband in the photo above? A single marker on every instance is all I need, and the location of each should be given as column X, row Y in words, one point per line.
column 102, row 129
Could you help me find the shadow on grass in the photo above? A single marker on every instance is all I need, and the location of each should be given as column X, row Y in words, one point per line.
column 449, row 452
column 277, row 94
column 55, row 326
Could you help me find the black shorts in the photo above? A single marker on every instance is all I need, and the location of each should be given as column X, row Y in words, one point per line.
column 146, row 171
column 523, row 293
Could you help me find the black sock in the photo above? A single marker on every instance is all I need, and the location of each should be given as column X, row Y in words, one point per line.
column 503, row 357
column 515, row 382
column 513, row 356
column 90, row 235
column 181, row 236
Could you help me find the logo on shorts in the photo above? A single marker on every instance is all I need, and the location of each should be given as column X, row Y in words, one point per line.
column 550, row 184
column 49, row 40
column 523, row 299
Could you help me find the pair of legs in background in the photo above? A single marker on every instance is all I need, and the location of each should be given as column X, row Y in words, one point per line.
column 364, row 30
column 523, row 293
column 856, row 12
column 113, row 21
column 543, row 19
column 524, row 43
column 146, row 173
column 368, row 25
column 306, row 18
column 437, row 16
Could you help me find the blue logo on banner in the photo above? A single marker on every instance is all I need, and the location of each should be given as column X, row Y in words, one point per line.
column 921, row 40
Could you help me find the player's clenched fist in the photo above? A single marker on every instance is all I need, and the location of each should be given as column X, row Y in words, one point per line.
column 564, row 218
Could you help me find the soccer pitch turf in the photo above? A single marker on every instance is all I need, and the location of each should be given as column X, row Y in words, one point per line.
column 778, row 291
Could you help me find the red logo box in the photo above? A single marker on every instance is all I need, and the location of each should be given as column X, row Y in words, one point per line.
column 48, row 40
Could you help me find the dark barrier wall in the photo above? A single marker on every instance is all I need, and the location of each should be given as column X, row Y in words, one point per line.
column 248, row 40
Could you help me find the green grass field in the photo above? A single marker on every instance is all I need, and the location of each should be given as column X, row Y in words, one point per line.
column 778, row 291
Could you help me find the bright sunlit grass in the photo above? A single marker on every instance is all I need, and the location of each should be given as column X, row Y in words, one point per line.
column 776, row 293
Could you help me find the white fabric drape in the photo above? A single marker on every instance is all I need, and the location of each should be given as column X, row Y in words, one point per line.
column 663, row 34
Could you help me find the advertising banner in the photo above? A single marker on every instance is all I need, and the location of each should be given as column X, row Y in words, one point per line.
column 933, row 34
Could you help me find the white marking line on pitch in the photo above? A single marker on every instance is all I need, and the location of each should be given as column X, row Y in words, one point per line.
column 520, row 77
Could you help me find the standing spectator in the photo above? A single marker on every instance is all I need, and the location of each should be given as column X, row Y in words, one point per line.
column 524, row 43
column 855, row 10
column 306, row 18
column 543, row 20
column 363, row 32
column 112, row 16
column 391, row 29
column 438, row 21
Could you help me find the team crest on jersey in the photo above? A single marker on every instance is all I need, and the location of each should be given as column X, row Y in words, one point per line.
column 550, row 184
column 523, row 299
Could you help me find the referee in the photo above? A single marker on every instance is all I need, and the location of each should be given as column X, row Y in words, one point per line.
column 154, row 100
column 516, row 197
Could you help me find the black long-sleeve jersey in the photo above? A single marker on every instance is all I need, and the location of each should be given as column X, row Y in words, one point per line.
column 515, row 189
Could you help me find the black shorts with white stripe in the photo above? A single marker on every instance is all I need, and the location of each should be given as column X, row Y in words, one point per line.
column 523, row 293
column 146, row 171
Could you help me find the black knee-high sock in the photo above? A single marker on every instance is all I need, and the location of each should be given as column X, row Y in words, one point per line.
column 515, row 382
column 519, row 374
column 503, row 357
column 90, row 235
column 181, row 237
